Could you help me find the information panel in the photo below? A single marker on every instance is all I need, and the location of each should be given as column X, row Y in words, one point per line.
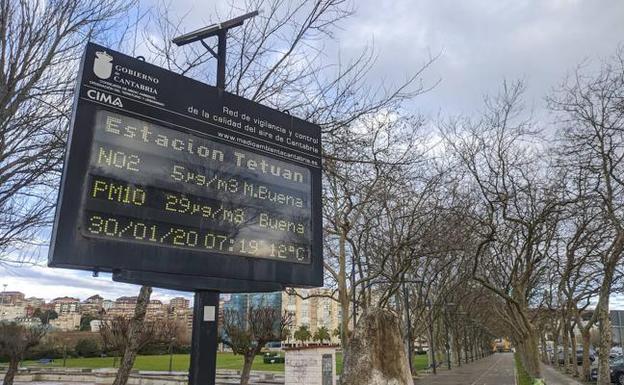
column 168, row 175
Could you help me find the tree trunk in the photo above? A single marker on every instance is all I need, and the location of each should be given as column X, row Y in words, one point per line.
column 247, row 362
column 458, row 349
column 575, row 371
column 465, row 348
column 11, row 371
column 565, row 345
column 544, row 349
column 451, row 348
column 556, row 337
column 586, row 363
column 474, row 349
column 530, row 355
column 343, row 294
column 129, row 355
column 604, row 328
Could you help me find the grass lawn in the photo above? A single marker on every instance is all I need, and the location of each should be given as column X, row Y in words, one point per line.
column 161, row 363
column 421, row 362
column 181, row 363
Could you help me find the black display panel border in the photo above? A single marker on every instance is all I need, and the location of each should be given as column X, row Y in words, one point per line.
column 70, row 249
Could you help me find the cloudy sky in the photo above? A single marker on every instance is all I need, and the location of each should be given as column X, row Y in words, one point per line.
column 480, row 43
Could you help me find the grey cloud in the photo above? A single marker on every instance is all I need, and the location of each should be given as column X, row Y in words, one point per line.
column 483, row 42
column 49, row 283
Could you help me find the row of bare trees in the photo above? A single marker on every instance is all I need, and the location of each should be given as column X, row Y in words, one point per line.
column 532, row 215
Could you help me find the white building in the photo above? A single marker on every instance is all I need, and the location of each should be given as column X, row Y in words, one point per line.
column 66, row 322
column 95, row 324
column 9, row 312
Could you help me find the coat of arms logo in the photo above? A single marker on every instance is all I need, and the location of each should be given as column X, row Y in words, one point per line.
column 103, row 65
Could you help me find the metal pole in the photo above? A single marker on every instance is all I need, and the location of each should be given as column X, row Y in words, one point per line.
column 4, row 286
column 410, row 350
column 170, row 355
column 471, row 344
column 431, row 343
column 221, row 56
column 465, row 346
column 354, row 307
column 203, row 366
column 457, row 347
column 448, row 346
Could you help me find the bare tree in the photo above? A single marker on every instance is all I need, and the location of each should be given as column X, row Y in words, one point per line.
column 15, row 341
column 128, row 336
column 115, row 334
column 40, row 43
column 277, row 59
column 591, row 116
column 247, row 332
column 583, row 237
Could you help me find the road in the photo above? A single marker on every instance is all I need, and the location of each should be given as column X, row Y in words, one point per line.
column 497, row 369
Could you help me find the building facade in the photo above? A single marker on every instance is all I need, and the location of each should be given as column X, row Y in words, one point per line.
column 9, row 312
column 311, row 308
column 11, row 297
column 617, row 325
column 179, row 303
column 66, row 322
column 66, row 305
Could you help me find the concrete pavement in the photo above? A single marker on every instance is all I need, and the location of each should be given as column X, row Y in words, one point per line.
column 553, row 376
column 497, row 369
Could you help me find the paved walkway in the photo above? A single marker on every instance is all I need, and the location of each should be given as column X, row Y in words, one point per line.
column 553, row 376
column 497, row 369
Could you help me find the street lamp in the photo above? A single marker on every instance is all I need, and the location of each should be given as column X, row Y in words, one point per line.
column 408, row 321
column 353, row 289
column 448, row 340
column 171, row 342
column 431, row 343
column 465, row 339
column 4, row 286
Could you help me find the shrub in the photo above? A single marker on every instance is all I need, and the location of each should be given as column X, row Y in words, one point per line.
column 154, row 348
column 88, row 347
column 44, row 351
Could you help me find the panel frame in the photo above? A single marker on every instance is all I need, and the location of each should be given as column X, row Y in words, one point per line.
column 71, row 249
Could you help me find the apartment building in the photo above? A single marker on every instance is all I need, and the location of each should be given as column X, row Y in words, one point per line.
column 179, row 303
column 313, row 308
column 66, row 305
column 124, row 307
column 11, row 297
column 92, row 306
column 66, row 322
column 11, row 311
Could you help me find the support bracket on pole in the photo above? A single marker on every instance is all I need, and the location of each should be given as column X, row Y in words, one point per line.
column 219, row 30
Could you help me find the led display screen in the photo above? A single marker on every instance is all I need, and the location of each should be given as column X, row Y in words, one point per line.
column 152, row 184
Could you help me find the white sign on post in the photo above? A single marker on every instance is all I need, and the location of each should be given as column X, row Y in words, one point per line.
column 209, row 314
